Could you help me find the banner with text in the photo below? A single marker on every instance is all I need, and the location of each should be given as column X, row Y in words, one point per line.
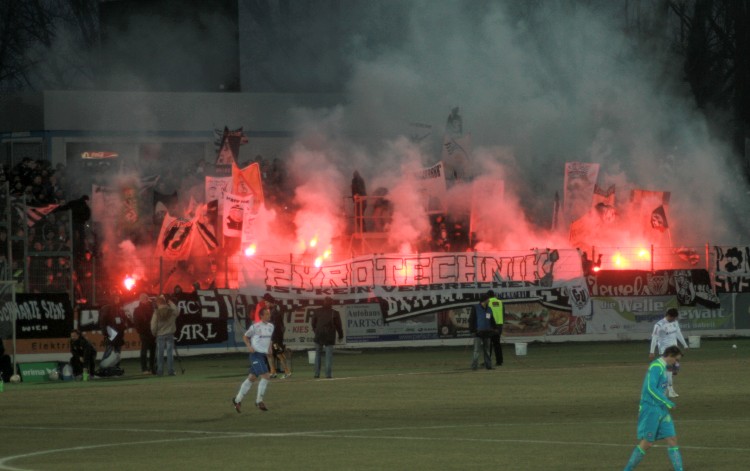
column 731, row 269
column 689, row 287
column 638, row 314
column 37, row 316
column 407, row 286
column 202, row 319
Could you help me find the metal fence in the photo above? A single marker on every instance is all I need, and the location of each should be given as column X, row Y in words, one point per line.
column 7, row 318
column 38, row 256
column 648, row 258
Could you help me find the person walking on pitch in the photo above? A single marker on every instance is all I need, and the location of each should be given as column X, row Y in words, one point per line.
column 326, row 324
column 654, row 420
column 666, row 334
column 258, row 341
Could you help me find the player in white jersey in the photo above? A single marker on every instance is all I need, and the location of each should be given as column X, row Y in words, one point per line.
column 666, row 334
column 258, row 341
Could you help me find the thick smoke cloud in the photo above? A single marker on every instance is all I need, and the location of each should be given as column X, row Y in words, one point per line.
column 562, row 84
column 538, row 84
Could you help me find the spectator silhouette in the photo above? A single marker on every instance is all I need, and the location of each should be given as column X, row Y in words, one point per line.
column 359, row 195
column 80, row 213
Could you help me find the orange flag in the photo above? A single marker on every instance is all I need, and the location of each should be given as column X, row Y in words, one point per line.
column 248, row 181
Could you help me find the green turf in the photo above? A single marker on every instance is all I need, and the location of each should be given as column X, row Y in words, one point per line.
column 562, row 407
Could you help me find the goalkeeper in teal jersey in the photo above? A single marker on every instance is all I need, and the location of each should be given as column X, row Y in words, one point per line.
column 654, row 420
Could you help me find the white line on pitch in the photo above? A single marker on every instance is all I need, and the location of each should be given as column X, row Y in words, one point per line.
column 329, row 434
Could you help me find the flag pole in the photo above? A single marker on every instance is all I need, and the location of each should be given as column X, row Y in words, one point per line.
column 27, row 259
column 555, row 211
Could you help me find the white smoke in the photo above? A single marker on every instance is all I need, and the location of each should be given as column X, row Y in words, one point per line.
column 538, row 84
column 563, row 84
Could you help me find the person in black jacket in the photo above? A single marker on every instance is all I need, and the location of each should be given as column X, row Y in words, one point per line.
column 278, row 348
column 359, row 195
column 80, row 213
column 83, row 354
column 326, row 323
column 142, row 315
column 482, row 325
column 113, row 322
column 6, row 365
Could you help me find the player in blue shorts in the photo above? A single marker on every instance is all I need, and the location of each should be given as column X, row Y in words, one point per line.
column 258, row 341
column 654, row 420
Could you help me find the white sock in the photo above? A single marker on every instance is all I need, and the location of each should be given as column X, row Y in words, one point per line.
column 261, row 389
column 669, row 378
column 244, row 389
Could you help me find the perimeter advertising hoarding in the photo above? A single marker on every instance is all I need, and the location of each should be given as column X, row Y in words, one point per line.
column 364, row 323
column 639, row 314
column 37, row 372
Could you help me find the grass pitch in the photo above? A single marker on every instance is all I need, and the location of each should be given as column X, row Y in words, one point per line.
column 562, row 407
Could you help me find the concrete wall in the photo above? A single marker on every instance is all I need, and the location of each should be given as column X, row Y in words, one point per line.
column 173, row 112
column 60, row 117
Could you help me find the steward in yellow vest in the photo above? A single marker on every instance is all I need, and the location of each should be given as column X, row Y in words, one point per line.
column 496, row 306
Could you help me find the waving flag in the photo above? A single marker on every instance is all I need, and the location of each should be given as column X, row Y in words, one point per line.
column 456, row 156
column 595, row 224
column 430, row 183
column 248, row 181
column 651, row 209
column 205, row 228
column 148, row 182
column 34, row 215
column 229, row 150
column 580, row 179
column 235, row 212
column 175, row 238
column 604, row 196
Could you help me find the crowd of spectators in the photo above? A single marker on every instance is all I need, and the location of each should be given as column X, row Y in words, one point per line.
column 48, row 244
column 448, row 235
column 47, row 247
column 37, row 180
column 45, row 243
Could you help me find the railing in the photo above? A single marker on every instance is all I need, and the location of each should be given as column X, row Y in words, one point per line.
column 370, row 213
column 90, row 280
column 648, row 258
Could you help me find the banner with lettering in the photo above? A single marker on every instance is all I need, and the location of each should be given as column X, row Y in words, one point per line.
column 689, row 287
column 364, row 323
column 40, row 315
column 407, row 286
column 203, row 317
column 732, row 260
column 216, row 187
column 237, row 216
column 638, row 314
column 731, row 269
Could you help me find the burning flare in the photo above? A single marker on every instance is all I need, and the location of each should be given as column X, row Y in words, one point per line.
column 129, row 282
